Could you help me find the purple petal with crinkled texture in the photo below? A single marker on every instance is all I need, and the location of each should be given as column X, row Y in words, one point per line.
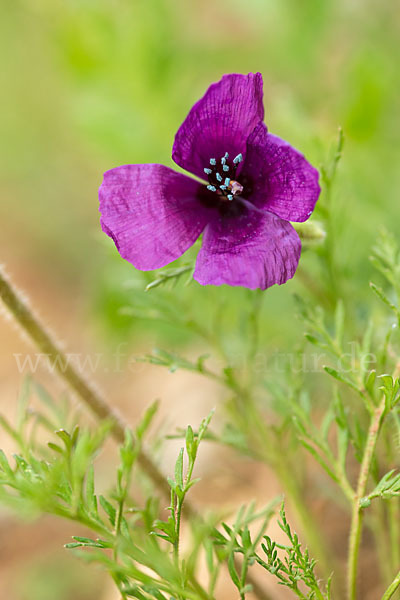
column 220, row 122
column 281, row 180
column 151, row 212
column 254, row 250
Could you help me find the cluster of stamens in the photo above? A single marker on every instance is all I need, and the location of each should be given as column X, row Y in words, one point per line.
column 221, row 177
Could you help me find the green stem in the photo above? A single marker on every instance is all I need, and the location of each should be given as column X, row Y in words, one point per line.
column 178, row 516
column 177, row 504
column 319, row 594
column 357, row 512
column 394, row 530
column 392, row 587
column 298, row 592
column 254, row 322
column 392, row 506
column 64, row 513
column 243, row 575
column 118, row 526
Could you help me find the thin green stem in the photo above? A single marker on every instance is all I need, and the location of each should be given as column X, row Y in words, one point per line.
column 178, row 517
column 64, row 513
column 118, row 521
column 298, row 592
column 177, row 504
column 318, row 593
column 357, row 512
column 394, row 531
column 392, row 587
column 393, row 506
column 243, row 575
column 254, row 322
column 344, row 482
column 328, row 177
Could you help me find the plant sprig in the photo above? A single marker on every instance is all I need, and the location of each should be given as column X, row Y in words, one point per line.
column 297, row 565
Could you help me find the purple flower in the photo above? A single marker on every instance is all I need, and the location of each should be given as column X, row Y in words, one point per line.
column 256, row 184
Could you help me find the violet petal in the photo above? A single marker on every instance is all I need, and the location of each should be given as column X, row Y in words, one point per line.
column 151, row 212
column 221, row 121
column 254, row 250
column 282, row 180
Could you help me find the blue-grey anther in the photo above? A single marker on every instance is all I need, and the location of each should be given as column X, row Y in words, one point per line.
column 213, row 161
column 227, row 181
column 238, row 159
column 218, row 176
column 207, row 171
column 225, row 168
column 224, row 158
column 212, row 188
column 230, row 197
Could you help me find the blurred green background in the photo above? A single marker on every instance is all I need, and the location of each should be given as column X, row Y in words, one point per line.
column 87, row 85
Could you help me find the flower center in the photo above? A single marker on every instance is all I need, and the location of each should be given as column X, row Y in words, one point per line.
column 221, row 177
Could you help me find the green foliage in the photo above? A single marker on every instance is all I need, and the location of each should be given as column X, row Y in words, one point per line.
column 173, row 362
column 352, row 359
column 296, row 566
column 386, row 259
column 181, row 484
column 59, row 478
column 387, row 488
column 172, row 276
column 236, row 540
